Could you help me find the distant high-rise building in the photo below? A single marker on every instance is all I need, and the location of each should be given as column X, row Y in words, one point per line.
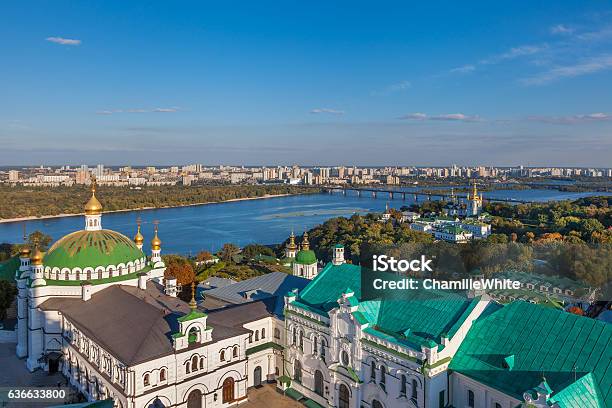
column 99, row 170
column 13, row 176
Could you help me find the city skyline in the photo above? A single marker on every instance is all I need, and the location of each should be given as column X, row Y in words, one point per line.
column 318, row 85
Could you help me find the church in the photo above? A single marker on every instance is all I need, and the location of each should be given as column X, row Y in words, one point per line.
column 97, row 308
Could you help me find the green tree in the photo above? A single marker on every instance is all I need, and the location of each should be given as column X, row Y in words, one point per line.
column 228, row 252
column 8, row 291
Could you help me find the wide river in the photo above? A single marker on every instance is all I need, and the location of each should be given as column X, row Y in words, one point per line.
column 188, row 230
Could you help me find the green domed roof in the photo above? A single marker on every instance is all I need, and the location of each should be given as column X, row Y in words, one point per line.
column 92, row 248
column 306, row 257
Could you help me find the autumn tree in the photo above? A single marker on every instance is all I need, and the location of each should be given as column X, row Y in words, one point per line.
column 179, row 268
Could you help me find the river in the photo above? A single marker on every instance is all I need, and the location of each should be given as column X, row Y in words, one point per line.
column 188, row 230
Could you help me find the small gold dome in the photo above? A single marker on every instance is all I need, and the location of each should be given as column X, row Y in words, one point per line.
column 138, row 238
column 37, row 257
column 156, row 242
column 25, row 252
column 93, row 206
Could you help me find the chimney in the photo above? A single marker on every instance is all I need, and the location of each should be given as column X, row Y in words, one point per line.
column 171, row 289
column 86, row 291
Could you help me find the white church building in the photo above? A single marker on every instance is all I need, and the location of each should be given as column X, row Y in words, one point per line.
column 98, row 309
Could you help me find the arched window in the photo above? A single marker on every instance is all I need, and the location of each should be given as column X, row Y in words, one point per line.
column 194, row 399
column 162, row 374
column 263, row 333
column 235, row 353
column 201, row 363
column 194, row 363
column 498, row 405
column 228, row 390
column 193, row 335
column 403, row 385
column 318, row 378
column 276, row 333
column 187, row 370
column 343, row 397
column 383, row 377
column 470, row 400
column 293, row 336
column 301, row 340
column 146, row 380
column 297, row 371
column 373, row 371
column 323, row 350
column 376, row 404
column 415, row 392
column 222, row 357
column 314, row 346
column 251, row 338
column 257, row 335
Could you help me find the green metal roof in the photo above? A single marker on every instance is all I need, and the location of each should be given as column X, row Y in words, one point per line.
column 425, row 314
column 582, row 393
column 306, row 257
column 563, row 347
column 91, row 249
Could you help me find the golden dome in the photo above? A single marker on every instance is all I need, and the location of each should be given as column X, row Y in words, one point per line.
column 93, row 206
column 156, row 242
column 25, row 251
column 138, row 238
column 37, row 257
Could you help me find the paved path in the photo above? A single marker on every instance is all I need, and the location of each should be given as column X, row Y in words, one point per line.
column 267, row 397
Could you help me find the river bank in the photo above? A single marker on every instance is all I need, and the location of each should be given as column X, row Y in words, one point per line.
column 44, row 217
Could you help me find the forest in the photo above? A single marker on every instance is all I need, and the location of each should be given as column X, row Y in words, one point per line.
column 20, row 201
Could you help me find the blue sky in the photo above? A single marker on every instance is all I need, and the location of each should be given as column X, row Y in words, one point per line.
column 433, row 83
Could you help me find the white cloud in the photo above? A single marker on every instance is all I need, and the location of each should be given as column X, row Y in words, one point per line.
column 573, row 119
column 588, row 66
column 63, row 41
column 138, row 110
column 463, row 69
column 561, row 29
column 397, row 87
column 513, row 53
column 327, row 110
column 450, row 117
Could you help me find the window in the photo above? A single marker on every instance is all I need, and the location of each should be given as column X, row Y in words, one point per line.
column 263, row 333
column 403, row 385
column 343, row 397
column 187, row 370
column 323, row 350
column 194, row 399
column 498, row 405
column 146, row 380
column 383, row 377
column 293, row 336
column 373, row 371
column 257, row 335
column 442, row 400
column 235, row 353
column 314, row 346
column 222, row 357
column 276, row 333
column 345, row 358
column 193, row 335
column 250, row 338
column 276, row 371
column 470, row 398
column 194, row 363
column 297, row 371
column 415, row 392
column 318, row 379
column 301, row 340
column 376, row 404
column 201, row 363
column 162, row 374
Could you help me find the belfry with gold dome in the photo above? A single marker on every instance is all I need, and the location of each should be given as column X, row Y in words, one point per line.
column 77, row 266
